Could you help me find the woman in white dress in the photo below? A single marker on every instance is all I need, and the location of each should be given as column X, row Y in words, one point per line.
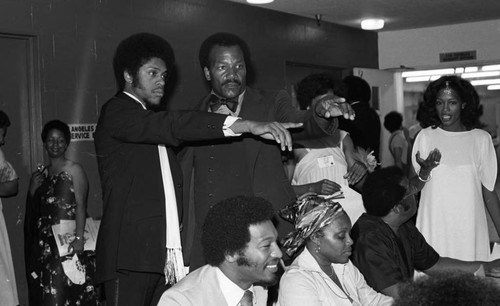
column 452, row 214
column 327, row 165
column 8, row 188
column 323, row 165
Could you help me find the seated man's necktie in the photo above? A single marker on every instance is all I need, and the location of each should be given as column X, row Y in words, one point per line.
column 247, row 299
column 216, row 103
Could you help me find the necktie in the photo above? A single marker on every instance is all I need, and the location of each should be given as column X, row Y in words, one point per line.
column 247, row 299
column 216, row 102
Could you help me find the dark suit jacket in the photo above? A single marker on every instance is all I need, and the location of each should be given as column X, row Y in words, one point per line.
column 260, row 174
column 364, row 129
column 132, row 231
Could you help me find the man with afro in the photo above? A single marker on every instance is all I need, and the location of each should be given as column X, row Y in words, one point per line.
column 239, row 243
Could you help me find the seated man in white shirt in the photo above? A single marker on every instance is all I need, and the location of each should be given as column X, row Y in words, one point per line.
column 239, row 243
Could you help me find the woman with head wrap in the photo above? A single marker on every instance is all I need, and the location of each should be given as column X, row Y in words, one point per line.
column 322, row 274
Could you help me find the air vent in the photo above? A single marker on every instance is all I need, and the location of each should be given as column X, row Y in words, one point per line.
column 457, row 56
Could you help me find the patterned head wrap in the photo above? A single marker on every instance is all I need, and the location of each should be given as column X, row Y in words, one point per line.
column 309, row 214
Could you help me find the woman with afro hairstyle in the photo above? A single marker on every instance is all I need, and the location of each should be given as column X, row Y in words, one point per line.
column 452, row 214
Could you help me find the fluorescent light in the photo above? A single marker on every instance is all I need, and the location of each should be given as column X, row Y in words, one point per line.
column 435, row 77
column 483, row 74
column 493, row 87
column 490, row 67
column 470, row 69
column 459, row 70
column 427, row 72
column 259, row 1
column 485, row 82
column 371, row 24
column 417, row 79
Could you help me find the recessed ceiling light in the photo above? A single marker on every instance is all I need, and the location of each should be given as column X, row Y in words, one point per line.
column 371, row 24
column 259, row 1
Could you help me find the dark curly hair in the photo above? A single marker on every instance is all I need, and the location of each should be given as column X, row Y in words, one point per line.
column 449, row 288
column 393, row 121
column 225, row 40
column 226, row 227
column 4, row 120
column 56, row 125
column 315, row 85
column 357, row 89
column 382, row 190
column 134, row 51
column 469, row 116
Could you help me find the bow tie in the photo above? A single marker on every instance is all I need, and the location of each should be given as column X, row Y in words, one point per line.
column 216, row 102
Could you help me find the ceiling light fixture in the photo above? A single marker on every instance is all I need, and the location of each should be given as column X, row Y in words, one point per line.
column 428, row 72
column 483, row 74
column 485, row 82
column 371, row 24
column 490, row 67
column 471, row 69
column 259, row 1
column 416, row 79
column 493, row 87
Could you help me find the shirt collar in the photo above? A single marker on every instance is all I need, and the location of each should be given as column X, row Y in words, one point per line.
column 240, row 97
column 135, row 99
column 307, row 262
column 232, row 292
column 240, row 102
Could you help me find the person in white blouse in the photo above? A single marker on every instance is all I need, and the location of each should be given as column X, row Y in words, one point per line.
column 322, row 274
column 8, row 188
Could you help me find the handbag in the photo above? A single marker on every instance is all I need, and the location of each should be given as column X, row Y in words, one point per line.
column 74, row 270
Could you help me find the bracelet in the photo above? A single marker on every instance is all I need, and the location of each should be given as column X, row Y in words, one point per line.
column 78, row 237
column 425, row 180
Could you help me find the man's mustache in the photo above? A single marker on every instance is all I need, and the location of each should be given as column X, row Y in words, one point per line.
column 232, row 81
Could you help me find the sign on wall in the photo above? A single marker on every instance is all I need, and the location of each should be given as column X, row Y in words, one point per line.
column 82, row 131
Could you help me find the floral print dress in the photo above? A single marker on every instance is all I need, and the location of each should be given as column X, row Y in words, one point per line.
column 57, row 202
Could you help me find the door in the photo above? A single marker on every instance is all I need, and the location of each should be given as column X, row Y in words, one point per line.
column 23, row 146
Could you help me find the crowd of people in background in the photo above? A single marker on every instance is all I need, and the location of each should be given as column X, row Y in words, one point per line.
column 198, row 208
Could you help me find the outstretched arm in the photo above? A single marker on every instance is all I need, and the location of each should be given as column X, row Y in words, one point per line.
column 321, row 187
column 424, row 175
column 328, row 105
column 267, row 130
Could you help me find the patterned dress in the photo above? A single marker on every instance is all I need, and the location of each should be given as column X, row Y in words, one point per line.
column 57, row 202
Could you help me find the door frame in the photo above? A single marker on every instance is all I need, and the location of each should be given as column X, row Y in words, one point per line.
column 33, row 95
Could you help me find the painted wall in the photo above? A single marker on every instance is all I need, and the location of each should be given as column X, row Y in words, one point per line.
column 76, row 40
column 420, row 48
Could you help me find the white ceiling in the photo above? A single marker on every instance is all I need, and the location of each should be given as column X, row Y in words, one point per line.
column 398, row 14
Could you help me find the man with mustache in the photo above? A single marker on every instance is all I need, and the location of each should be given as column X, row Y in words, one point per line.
column 239, row 243
column 139, row 243
column 248, row 166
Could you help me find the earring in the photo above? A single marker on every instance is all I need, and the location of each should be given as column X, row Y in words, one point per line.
column 318, row 249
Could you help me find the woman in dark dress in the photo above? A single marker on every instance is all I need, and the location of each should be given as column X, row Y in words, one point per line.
column 58, row 191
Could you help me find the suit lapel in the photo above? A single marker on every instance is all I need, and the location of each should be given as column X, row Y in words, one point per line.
column 213, row 282
column 253, row 108
column 203, row 105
